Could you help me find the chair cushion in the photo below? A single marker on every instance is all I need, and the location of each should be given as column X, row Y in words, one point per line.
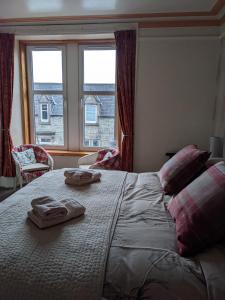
column 199, row 211
column 26, row 157
column 182, row 168
column 35, row 167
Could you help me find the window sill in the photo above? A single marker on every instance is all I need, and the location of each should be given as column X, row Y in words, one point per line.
column 67, row 153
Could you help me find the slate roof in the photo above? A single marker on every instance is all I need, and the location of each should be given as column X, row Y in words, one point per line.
column 99, row 87
column 107, row 106
column 107, row 103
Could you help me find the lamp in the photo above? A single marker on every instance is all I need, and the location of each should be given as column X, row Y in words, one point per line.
column 216, row 146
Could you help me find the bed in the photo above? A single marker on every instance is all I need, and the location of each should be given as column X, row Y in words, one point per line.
column 123, row 248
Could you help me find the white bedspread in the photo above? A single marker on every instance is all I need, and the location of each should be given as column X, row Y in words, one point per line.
column 66, row 261
column 143, row 262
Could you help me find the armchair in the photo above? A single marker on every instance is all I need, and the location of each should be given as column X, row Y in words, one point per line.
column 27, row 173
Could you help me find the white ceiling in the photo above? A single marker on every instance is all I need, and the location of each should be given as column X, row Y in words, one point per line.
column 44, row 8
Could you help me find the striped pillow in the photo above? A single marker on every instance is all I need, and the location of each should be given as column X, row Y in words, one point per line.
column 199, row 211
column 182, row 168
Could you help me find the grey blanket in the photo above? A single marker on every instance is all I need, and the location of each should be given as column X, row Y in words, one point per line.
column 66, row 261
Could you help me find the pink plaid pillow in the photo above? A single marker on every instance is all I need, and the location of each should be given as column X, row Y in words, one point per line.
column 199, row 211
column 108, row 163
column 182, row 168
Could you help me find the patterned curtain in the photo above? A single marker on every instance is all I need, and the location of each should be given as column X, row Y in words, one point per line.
column 7, row 167
column 125, row 70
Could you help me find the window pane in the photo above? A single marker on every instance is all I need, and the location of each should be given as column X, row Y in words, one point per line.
column 44, row 115
column 99, row 70
column 50, row 108
column 102, row 133
column 47, row 70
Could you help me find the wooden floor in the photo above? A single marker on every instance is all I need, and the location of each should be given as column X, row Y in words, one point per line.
column 4, row 193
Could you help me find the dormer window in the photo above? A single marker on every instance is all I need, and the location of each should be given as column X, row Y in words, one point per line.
column 91, row 114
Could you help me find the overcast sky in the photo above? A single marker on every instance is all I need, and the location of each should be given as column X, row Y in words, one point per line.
column 99, row 66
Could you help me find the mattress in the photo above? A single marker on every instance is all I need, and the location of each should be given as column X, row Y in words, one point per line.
column 126, row 222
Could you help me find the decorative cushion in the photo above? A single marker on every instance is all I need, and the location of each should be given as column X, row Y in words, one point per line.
column 41, row 154
column 199, row 211
column 108, row 155
column 35, row 167
column 26, row 157
column 102, row 153
column 182, row 168
column 107, row 161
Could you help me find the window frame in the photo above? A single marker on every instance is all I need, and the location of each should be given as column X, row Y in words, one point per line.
column 72, row 146
column 32, row 92
column 82, row 93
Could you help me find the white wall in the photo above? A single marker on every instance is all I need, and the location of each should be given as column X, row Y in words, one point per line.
column 219, row 128
column 16, row 122
column 176, row 88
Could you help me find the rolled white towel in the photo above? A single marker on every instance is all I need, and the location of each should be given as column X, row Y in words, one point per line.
column 74, row 209
column 48, row 208
column 73, row 180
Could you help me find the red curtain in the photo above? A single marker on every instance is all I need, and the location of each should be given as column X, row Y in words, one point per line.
column 7, row 167
column 125, row 71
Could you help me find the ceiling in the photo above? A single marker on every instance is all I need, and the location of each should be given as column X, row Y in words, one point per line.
column 46, row 8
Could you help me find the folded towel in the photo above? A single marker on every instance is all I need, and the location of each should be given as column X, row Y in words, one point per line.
column 79, row 173
column 48, row 208
column 74, row 210
column 73, row 180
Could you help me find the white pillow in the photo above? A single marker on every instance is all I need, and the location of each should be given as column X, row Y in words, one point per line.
column 26, row 157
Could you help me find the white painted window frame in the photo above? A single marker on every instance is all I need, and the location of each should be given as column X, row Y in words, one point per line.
column 74, row 115
column 31, row 92
column 83, row 93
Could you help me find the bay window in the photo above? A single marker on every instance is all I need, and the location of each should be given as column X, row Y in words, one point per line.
column 72, row 103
